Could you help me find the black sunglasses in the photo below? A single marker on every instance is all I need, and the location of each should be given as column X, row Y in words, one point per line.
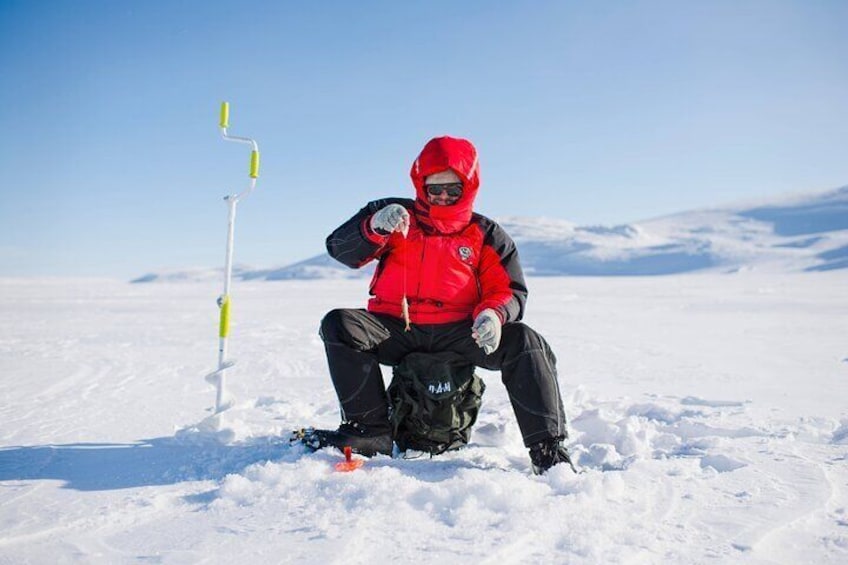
column 454, row 189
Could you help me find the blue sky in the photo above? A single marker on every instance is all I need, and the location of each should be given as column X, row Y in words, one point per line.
column 111, row 163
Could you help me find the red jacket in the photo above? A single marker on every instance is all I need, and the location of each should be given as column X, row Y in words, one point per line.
column 452, row 264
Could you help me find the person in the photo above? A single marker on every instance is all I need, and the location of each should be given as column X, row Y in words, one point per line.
column 447, row 279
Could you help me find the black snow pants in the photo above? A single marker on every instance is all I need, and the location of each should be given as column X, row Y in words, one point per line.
column 357, row 342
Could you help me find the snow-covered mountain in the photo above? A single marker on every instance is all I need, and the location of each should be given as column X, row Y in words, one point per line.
column 319, row 267
column 807, row 233
column 801, row 233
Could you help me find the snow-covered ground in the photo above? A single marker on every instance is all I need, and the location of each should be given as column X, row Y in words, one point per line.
column 708, row 414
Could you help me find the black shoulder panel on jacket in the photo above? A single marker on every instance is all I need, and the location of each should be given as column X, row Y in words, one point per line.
column 495, row 237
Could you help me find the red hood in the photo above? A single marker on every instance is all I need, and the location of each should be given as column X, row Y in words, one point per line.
column 442, row 153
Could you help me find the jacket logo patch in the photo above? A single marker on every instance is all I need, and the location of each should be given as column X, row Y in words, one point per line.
column 465, row 253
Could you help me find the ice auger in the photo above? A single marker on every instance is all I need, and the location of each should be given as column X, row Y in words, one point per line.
column 218, row 377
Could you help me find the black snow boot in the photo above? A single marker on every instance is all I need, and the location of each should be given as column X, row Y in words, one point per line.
column 368, row 441
column 547, row 453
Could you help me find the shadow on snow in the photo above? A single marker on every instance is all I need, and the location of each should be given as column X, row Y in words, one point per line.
column 150, row 462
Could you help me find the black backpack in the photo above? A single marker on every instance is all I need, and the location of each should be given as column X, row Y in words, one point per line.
column 434, row 399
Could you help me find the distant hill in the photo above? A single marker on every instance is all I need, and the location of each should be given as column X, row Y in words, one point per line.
column 799, row 234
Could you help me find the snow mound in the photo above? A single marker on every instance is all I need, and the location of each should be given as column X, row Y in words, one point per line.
column 653, row 458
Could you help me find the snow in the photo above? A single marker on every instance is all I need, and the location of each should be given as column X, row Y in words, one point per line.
column 796, row 233
column 707, row 413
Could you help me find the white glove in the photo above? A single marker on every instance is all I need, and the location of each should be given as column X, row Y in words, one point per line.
column 486, row 330
column 393, row 217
